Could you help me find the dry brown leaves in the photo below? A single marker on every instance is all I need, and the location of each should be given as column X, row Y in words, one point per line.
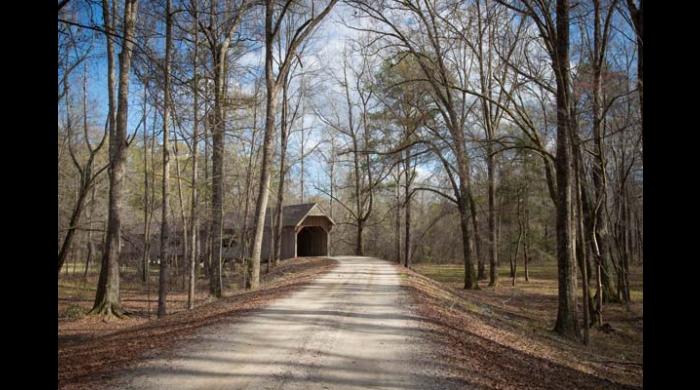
column 84, row 362
column 475, row 344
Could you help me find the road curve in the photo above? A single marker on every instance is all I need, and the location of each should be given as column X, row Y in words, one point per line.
column 349, row 329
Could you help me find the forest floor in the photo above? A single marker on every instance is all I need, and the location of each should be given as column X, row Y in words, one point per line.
column 491, row 338
column 349, row 329
column 502, row 337
column 90, row 348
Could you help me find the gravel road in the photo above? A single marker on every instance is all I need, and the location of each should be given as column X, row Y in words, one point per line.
column 349, row 329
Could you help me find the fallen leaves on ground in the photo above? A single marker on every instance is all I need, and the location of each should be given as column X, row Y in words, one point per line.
column 476, row 344
column 84, row 361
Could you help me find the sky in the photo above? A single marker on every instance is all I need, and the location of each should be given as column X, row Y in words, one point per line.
column 324, row 52
column 324, row 47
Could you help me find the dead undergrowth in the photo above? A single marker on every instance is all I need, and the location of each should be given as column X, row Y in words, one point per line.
column 90, row 349
column 501, row 338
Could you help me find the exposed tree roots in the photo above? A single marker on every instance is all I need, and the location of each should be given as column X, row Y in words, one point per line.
column 108, row 310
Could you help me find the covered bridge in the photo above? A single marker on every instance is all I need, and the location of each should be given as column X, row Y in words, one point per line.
column 305, row 231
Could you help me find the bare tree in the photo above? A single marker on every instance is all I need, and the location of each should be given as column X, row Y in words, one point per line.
column 273, row 83
column 407, row 107
column 219, row 34
column 366, row 173
column 637, row 16
column 330, row 158
column 286, row 123
column 107, row 300
column 165, row 208
column 250, row 168
column 552, row 21
column 147, row 209
column 194, row 209
column 71, row 48
column 431, row 52
column 87, row 171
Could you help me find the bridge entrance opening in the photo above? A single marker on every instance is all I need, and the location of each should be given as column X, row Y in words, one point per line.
column 312, row 241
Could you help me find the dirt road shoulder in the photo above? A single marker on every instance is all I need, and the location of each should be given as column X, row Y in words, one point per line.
column 84, row 364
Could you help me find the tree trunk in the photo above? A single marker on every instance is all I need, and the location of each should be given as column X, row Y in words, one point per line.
column 182, row 249
column 107, row 301
column 277, row 247
column 526, row 258
column 581, row 252
column 407, row 209
column 599, row 295
column 526, row 238
column 359, row 220
column 90, row 254
column 566, row 323
column 463, row 206
column 145, row 261
column 279, row 210
column 397, row 221
column 206, row 253
column 90, row 244
column 70, row 234
column 626, row 232
column 194, row 214
column 600, row 230
column 165, row 224
column 248, row 184
column 493, row 242
column 86, row 181
column 359, row 242
column 268, row 152
column 264, row 188
column 521, row 229
column 109, row 17
column 301, row 165
column 481, row 267
column 407, row 216
column 469, row 273
column 215, row 281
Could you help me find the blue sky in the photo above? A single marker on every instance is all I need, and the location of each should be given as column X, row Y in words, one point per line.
column 327, row 43
column 325, row 52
